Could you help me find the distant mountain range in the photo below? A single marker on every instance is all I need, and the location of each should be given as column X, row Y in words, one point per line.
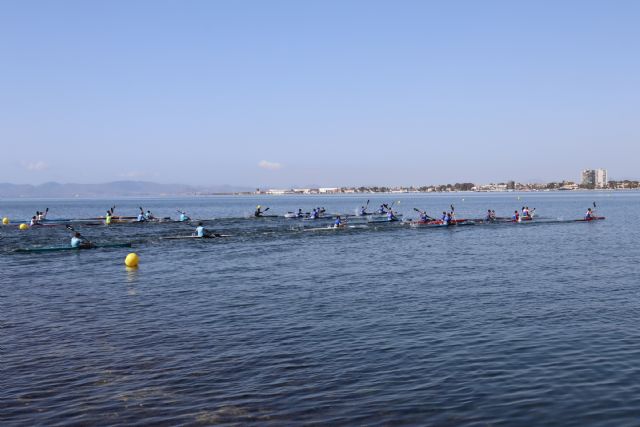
column 111, row 189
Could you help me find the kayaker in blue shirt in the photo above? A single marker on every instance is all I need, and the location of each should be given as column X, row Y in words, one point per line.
column 184, row 216
column 448, row 218
column 423, row 216
column 141, row 217
column 337, row 223
column 381, row 210
column 77, row 241
column 516, row 216
column 391, row 216
column 363, row 211
column 200, row 231
column 314, row 214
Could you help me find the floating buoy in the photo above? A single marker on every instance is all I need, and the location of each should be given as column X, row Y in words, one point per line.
column 23, row 227
column 5, row 220
column 132, row 260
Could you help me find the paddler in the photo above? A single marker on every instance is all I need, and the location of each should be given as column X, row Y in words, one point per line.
column 515, row 217
column 34, row 221
column 300, row 214
column 78, row 241
column 338, row 222
column 391, row 216
column 108, row 217
column 183, row 216
column 381, row 210
column 42, row 215
column 141, row 217
column 423, row 216
column 589, row 214
column 258, row 211
column 314, row 214
column 363, row 211
column 149, row 215
column 489, row 216
column 449, row 218
column 200, row 231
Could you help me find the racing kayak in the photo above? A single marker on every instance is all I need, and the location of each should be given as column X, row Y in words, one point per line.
column 69, row 248
column 332, row 228
column 438, row 223
column 593, row 218
column 194, row 237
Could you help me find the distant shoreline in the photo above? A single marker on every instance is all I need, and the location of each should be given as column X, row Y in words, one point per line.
column 254, row 194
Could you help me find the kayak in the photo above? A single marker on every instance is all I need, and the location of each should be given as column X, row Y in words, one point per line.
column 438, row 223
column 325, row 217
column 343, row 227
column 295, row 215
column 593, row 218
column 382, row 220
column 384, row 216
column 69, row 248
column 213, row 236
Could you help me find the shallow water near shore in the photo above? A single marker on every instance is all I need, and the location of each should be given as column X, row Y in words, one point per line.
column 506, row 324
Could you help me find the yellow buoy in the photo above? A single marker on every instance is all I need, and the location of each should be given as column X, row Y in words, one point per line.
column 23, row 227
column 5, row 220
column 132, row 260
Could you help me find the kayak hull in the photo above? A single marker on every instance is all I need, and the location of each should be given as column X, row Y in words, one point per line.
column 69, row 248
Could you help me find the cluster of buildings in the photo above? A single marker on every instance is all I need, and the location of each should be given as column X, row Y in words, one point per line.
column 594, row 178
column 590, row 179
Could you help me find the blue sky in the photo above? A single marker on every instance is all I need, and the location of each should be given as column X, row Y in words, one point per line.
column 282, row 93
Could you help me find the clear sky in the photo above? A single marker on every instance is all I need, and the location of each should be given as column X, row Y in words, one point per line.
column 281, row 93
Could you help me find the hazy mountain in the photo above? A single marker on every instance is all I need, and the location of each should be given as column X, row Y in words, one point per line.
column 117, row 188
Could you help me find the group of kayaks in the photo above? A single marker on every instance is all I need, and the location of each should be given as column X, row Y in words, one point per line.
column 362, row 219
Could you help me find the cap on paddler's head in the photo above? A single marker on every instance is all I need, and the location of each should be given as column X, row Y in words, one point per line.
column 258, row 207
column 199, row 224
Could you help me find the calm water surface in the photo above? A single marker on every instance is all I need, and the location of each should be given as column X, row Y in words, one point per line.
column 531, row 324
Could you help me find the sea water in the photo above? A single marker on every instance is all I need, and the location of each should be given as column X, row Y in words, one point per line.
column 506, row 324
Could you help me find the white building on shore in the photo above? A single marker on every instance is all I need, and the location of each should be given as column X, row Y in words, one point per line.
column 595, row 178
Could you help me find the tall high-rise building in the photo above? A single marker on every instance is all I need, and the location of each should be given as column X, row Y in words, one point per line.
column 601, row 178
column 594, row 178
